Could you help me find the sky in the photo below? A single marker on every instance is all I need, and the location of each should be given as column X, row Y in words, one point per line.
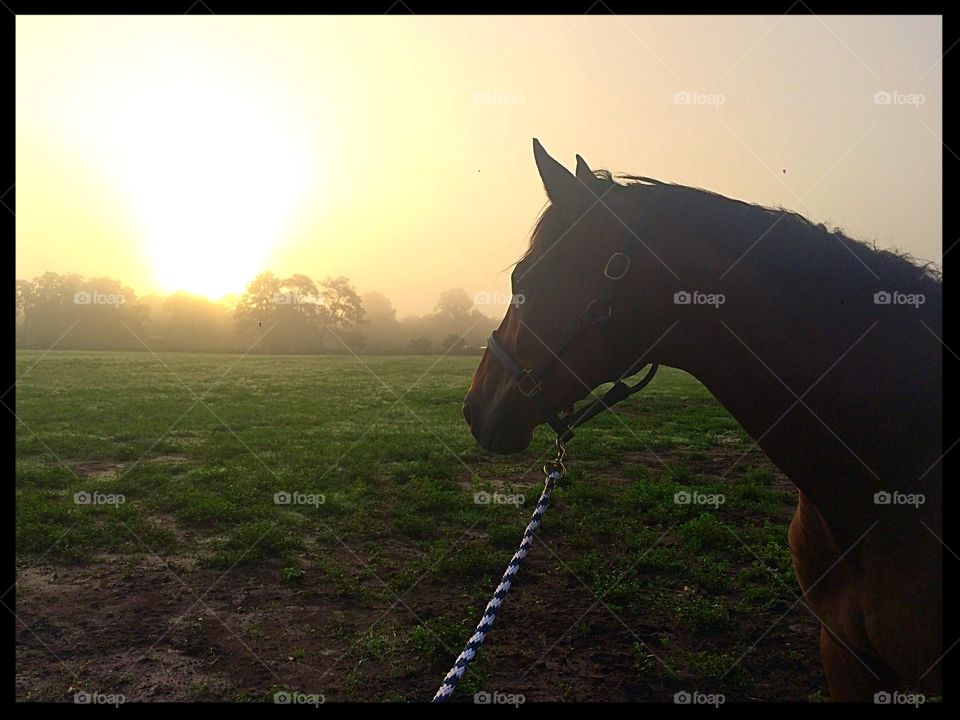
column 190, row 153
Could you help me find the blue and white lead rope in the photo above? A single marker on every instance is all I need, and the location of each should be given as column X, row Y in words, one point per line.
column 490, row 614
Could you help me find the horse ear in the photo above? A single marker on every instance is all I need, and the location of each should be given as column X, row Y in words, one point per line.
column 584, row 173
column 561, row 186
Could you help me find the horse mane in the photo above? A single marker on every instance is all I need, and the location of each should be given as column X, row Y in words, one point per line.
column 792, row 232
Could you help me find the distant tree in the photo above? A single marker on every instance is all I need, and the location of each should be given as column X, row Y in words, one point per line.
column 26, row 291
column 341, row 313
column 452, row 343
column 301, row 292
column 455, row 314
column 283, row 311
column 454, row 304
column 70, row 312
column 378, row 308
column 113, row 316
column 341, row 302
column 49, row 310
column 419, row 345
column 194, row 323
column 259, row 302
column 382, row 329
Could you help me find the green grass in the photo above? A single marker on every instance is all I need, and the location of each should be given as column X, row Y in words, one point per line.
column 199, row 446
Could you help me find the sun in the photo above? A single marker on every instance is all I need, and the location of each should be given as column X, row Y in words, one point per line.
column 213, row 175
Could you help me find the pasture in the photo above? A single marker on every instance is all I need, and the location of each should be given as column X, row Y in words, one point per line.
column 364, row 577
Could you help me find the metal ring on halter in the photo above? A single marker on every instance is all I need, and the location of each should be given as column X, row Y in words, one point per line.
column 556, row 465
column 601, row 317
column 606, row 268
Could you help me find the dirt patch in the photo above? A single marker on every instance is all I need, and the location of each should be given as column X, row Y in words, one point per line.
column 102, row 469
column 99, row 468
column 175, row 632
column 169, row 459
column 466, row 480
column 729, row 461
column 167, row 629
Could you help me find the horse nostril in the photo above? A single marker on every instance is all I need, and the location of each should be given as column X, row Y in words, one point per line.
column 467, row 413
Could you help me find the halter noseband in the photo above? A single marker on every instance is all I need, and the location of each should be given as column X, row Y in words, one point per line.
column 598, row 311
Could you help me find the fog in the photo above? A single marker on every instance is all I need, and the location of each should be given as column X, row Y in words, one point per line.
column 190, row 154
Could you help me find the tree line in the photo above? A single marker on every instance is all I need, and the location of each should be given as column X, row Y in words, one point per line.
column 274, row 315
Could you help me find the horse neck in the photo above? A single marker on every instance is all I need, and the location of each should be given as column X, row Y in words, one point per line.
column 837, row 395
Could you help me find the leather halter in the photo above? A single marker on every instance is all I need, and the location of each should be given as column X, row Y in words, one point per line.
column 598, row 311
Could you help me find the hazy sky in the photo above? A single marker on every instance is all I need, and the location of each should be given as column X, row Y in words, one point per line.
column 192, row 152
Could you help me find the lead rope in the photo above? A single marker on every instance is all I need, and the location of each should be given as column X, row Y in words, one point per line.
column 554, row 470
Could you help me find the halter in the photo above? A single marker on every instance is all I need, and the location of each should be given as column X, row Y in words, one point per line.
column 598, row 311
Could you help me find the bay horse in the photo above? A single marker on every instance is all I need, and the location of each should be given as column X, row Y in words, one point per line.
column 825, row 350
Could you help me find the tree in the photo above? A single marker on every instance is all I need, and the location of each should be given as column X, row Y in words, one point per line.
column 382, row 330
column 419, row 345
column 341, row 302
column 455, row 314
column 76, row 313
column 378, row 308
column 454, row 304
column 282, row 310
column 341, row 313
column 194, row 323
column 259, row 301
column 301, row 292
column 452, row 343
column 26, row 291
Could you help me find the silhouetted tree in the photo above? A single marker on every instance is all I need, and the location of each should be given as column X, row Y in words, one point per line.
column 419, row 345
column 452, row 343
column 341, row 302
column 382, row 331
column 70, row 312
column 284, row 311
column 193, row 323
column 342, row 312
column 302, row 293
column 377, row 306
column 25, row 292
column 454, row 304
column 293, row 314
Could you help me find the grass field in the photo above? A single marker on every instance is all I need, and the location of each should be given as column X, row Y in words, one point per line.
column 184, row 578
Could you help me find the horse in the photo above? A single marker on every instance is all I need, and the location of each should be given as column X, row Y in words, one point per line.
column 825, row 349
